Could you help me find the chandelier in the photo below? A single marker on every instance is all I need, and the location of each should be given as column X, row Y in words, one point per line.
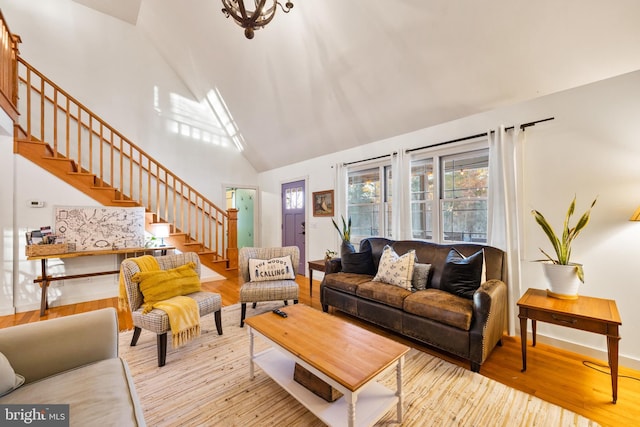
column 252, row 20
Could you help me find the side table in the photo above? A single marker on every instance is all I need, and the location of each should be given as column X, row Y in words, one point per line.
column 317, row 265
column 589, row 314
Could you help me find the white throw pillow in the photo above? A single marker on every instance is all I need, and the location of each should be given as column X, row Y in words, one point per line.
column 9, row 380
column 261, row 270
column 396, row 270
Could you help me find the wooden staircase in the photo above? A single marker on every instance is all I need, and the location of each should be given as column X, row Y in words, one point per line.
column 57, row 132
column 68, row 171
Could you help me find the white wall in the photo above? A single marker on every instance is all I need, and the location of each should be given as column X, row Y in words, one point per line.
column 112, row 68
column 590, row 149
column 34, row 183
column 6, row 213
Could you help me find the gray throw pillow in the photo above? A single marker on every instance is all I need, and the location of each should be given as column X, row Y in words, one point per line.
column 420, row 276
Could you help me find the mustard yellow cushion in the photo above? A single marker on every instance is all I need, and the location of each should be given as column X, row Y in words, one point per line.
column 160, row 285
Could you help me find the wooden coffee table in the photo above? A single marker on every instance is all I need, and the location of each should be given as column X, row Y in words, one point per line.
column 345, row 356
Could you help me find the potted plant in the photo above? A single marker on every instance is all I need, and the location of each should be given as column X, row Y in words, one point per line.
column 345, row 235
column 564, row 276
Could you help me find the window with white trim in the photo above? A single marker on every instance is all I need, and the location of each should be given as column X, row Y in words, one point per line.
column 449, row 196
column 369, row 201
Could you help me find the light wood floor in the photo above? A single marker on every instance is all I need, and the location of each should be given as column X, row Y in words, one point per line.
column 553, row 375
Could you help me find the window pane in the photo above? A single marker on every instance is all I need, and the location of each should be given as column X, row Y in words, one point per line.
column 364, row 220
column 464, row 197
column 422, row 195
column 299, row 198
column 294, row 198
column 464, row 220
column 421, row 221
column 364, row 186
column 364, row 199
column 287, row 198
column 465, row 176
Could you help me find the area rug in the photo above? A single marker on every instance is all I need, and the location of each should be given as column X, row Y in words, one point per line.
column 206, row 383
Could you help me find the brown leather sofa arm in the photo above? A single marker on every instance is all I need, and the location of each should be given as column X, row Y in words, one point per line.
column 334, row 265
column 489, row 320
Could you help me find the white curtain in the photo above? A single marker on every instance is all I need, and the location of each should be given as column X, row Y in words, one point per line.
column 504, row 207
column 401, row 190
column 340, row 197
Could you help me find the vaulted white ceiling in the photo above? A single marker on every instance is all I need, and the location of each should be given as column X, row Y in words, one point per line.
column 334, row 74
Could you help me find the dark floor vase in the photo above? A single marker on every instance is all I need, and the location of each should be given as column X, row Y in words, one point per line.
column 346, row 248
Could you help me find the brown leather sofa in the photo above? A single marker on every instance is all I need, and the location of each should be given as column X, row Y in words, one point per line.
column 466, row 327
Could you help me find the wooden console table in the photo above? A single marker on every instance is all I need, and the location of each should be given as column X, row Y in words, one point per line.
column 45, row 279
column 585, row 313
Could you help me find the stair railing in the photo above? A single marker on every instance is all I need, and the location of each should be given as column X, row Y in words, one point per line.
column 8, row 69
column 51, row 115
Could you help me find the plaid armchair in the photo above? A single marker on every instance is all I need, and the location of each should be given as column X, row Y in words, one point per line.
column 271, row 290
column 157, row 320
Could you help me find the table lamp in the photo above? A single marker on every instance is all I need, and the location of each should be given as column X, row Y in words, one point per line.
column 161, row 229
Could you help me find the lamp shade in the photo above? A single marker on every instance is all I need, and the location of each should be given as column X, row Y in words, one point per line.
column 635, row 216
column 160, row 229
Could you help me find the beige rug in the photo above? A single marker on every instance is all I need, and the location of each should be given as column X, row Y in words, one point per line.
column 206, row 383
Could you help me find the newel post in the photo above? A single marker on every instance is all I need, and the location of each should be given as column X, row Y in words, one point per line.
column 232, row 247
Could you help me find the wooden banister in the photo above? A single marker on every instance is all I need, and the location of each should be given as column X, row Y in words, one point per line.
column 49, row 114
column 8, row 70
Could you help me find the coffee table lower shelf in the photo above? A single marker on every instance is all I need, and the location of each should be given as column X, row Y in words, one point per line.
column 373, row 399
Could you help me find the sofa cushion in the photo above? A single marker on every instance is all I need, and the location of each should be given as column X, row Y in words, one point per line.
column 395, row 269
column 262, row 270
column 461, row 275
column 441, row 306
column 9, row 380
column 346, row 282
column 101, row 393
column 420, row 276
column 358, row 263
column 384, row 293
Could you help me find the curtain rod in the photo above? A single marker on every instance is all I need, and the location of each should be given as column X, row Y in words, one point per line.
column 371, row 158
column 466, row 138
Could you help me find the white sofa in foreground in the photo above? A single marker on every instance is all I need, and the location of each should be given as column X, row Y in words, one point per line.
column 73, row 360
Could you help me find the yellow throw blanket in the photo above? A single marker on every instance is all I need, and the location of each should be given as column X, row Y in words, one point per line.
column 145, row 263
column 184, row 318
column 183, row 312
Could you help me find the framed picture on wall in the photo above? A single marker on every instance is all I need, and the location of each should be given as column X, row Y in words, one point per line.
column 323, row 203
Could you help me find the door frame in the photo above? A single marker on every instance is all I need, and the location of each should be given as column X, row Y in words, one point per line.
column 257, row 210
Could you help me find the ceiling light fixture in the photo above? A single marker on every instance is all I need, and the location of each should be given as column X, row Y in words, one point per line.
column 252, row 20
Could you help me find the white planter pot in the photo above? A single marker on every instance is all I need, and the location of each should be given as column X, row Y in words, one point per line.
column 563, row 280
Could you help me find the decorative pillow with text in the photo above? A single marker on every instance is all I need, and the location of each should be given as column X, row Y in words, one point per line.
column 262, row 270
column 394, row 269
